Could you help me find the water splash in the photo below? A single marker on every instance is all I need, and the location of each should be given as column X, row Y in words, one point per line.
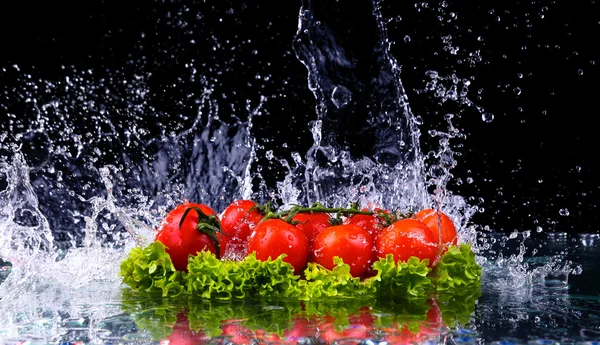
column 385, row 167
column 90, row 166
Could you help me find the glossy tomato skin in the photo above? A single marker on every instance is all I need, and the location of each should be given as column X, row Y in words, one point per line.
column 181, row 242
column 311, row 223
column 350, row 242
column 371, row 223
column 274, row 237
column 406, row 238
column 237, row 222
column 439, row 223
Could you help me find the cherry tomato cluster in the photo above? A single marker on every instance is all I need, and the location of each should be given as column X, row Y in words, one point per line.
column 305, row 234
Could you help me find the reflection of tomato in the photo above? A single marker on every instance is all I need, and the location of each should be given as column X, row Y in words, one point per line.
column 274, row 237
column 237, row 222
column 236, row 333
column 182, row 335
column 360, row 326
column 439, row 223
column 349, row 242
column 185, row 240
column 406, row 238
column 303, row 327
column 430, row 329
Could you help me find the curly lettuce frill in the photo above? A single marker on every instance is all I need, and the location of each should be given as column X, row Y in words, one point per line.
column 212, row 278
column 150, row 269
column 457, row 269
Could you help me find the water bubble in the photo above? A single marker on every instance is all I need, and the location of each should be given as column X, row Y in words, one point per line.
column 563, row 212
column 487, row 117
column 341, row 96
column 580, row 71
column 538, row 229
column 469, row 180
column 517, row 90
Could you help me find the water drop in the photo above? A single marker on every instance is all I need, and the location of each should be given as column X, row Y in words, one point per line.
column 563, row 212
column 538, row 229
column 269, row 155
column 487, row 117
column 341, row 96
column 517, row 90
column 580, row 71
column 469, row 180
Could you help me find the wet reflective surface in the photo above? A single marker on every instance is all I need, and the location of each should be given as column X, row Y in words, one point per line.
column 511, row 308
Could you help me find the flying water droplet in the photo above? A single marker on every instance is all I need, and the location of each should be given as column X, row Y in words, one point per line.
column 563, row 212
column 487, row 117
column 341, row 96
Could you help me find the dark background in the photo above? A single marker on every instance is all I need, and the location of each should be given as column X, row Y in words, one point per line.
column 535, row 158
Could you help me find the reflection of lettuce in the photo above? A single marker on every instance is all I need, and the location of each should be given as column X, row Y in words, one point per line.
column 158, row 315
column 150, row 269
column 457, row 269
column 400, row 311
column 458, row 305
column 150, row 312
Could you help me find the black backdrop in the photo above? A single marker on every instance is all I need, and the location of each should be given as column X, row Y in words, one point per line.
column 535, row 158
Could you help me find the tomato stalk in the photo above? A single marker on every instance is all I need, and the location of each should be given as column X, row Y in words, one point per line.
column 208, row 225
column 288, row 215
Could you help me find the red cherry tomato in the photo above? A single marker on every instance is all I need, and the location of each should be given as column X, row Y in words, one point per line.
column 181, row 242
column 440, row 224
column 274, row 237
column 371, row 223
column 311, row 224
column 351, row 243
column 406, row 238
column 237, row 223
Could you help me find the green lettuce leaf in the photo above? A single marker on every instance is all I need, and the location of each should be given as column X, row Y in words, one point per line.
column 404, row 278
column 211, row 278
column 150, row 269
column 457, row 269
column 323, row 283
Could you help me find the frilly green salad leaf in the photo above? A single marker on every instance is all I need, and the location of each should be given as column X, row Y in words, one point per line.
column 210, row 277
column 404, row 278
column 323, row 283
column 150, row 269
column 457, row 269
